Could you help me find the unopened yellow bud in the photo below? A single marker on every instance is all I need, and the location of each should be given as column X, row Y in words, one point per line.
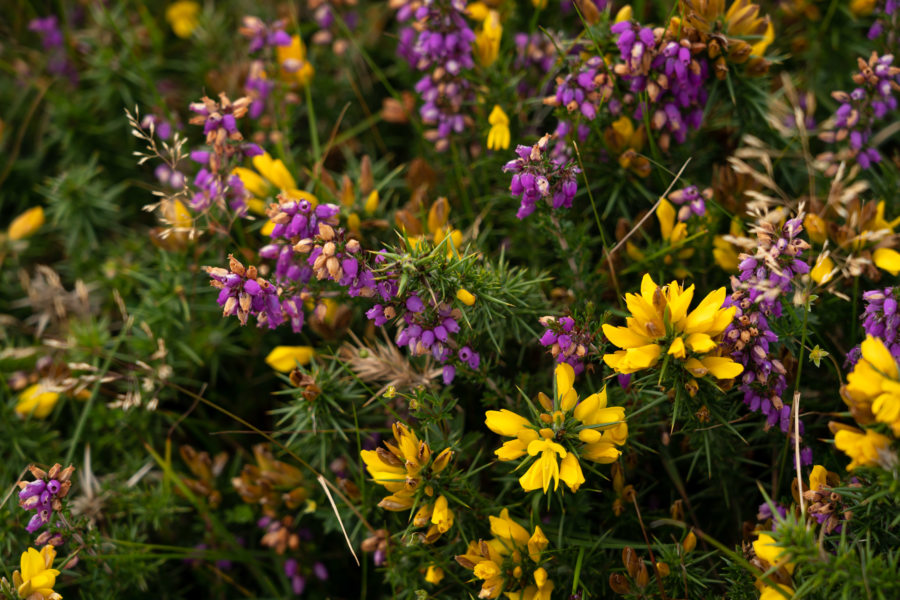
column 26, row 224
column 625, row 14
column 285, row 358
column 371, row 203
column 465, row 296
column 690, row 542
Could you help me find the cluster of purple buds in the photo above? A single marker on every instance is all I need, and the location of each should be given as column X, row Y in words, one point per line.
column 865, row 106
column 219, row 119
column 298, row 581
column 43, row 496
column 765, row 513
column 169, row 177
column 536, row 176
column 427, row 329
column 53, row 41
column 672, row 72
column 244, row 294
column 764, row 278
column 440, row 43
column 568, row 343
column 881, row 319
column 334, row 256
column 886, row 11
column 324, row 15
column 262, row 35
column 767, row 274
column 295, row 220
column 213, row 188
column 258, row 87
column 584, row 91
column 535, row 57
column 214, row 185
column 691, row 200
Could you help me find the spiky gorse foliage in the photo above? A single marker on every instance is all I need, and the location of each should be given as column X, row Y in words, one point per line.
column 410, row 214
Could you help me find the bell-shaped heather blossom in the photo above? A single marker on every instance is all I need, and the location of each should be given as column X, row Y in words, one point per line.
column 262, row 35
column 53, row 43
column 535, row 57
column 258, row 87
column 576, row 91
column 691, row 200
column 441, row 43
column 43, row 496
column 881, row 319
column 567, row 343
column 537, row 176
column 866, row 107
column 764, row 278
column 672, row 73
column 885, row 22
column 243, row 293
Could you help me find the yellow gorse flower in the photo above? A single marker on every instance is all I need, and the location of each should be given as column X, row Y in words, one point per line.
column 286, row 358
column 498, row 136
column 294, row 66
column 873, row 387
column 26, row 224
column 660, row 324
column 487, row 40
column 865, row 448
column 673, row 234
column 409, row 470
column 509, row 564
column 434, row 575
column 182, row 17
column 567, row 431
column 270, row 178
column 439, row 229
column 767, row 551
column 36, row 579
column 36, row 401
column 725, row 253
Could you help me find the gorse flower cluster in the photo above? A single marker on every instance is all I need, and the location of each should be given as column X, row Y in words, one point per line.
column 567, row 431
column 450, row 299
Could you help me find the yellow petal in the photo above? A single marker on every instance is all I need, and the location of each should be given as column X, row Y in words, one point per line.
column 876, row 354
column 36, row 401
column 625, row 14
column 821, row 273
column 536, row 544
column 601, row 452
column 817, row 478
column 887, row 259
column 590, row 405
column 505, row 422
column 701, row 343
column 511, row 450
column 505, row 528
column 570, row 472
column 722, row 367
column 565, row 378
column 677, row 348
column 703, row 317
column 275, row 171
column 465, row 296
column 665, row 212
column 623, row 337
column 434, row 575
column 26, row 224
column 286, row 358
column 678, row 305
column 255, row 184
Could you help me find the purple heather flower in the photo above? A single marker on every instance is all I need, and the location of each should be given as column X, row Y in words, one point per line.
column 536, row 176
